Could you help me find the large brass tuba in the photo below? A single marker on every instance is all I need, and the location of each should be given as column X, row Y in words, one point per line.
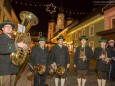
column 28, row 20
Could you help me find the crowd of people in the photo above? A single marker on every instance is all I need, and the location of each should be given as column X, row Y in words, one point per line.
column 57, row 57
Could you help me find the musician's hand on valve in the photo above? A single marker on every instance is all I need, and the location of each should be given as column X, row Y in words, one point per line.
column 68, row 65
column 102, row 56
column 52, row 65
column 74, row 65
column 22, row 45
column 84, row 57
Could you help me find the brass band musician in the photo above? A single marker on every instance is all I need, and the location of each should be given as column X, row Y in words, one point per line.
column 60, row 56
column 102, row 64
column 38, row 59
column 82, row 57
column 7, row 69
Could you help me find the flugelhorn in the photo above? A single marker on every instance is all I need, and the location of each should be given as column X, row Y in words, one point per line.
column 82, row 54
column 52, row 70
column 41, row 69
column 60, row 71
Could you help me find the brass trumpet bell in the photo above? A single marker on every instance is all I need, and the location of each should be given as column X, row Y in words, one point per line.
column 60, row 71
column 41, row 69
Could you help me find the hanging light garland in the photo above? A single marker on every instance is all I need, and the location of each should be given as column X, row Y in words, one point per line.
column 49, row 7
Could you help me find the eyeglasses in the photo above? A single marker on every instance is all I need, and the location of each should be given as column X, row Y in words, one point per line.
column 7, row 26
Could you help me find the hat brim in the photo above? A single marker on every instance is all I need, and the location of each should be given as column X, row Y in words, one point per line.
column 5, row 23
column 111, row 42
column 103, row 41
column 60, row 38
column 83, row 38
column 43, row 40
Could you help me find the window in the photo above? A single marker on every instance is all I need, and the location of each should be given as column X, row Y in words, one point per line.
column 79, row 34
column 76, row 36
column 91, row 30
column 50, row 26
column 40, row 33
column 91, row 44
column 113, row 23
column 83, row 32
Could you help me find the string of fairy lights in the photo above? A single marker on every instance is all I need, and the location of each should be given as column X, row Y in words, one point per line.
column 51, row 8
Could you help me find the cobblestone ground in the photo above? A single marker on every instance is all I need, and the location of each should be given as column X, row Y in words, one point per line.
column 71, row 77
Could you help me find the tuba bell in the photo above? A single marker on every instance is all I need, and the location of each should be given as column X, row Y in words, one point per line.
column 28, row 20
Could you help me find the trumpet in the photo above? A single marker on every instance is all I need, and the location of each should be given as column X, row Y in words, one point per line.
column 106, row 60
column 31, row 74
column 82, row 54
column 41, row 69
column 52, row 70
column 60, row 71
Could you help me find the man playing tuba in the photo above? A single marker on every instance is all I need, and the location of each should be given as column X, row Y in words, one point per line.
column 81, row 60
column 38, row 59
column 7, row 69
column 60, row 56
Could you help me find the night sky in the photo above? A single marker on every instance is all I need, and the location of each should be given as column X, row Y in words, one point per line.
column 78, row 8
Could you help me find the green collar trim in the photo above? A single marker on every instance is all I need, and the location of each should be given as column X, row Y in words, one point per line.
column 58, row 45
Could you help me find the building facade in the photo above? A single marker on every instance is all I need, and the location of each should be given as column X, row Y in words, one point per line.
column 89, row 28
column 109, row 23
column 58, row 28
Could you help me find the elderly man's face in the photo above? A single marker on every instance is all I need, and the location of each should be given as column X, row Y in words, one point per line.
column 111, row 44
column 7, row 29
column 103, row 44
column 42, row 43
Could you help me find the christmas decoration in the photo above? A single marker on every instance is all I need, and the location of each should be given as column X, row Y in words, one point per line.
column 51, row 8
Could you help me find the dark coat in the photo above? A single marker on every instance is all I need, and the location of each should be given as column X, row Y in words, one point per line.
column 100, row 64
column 111, row 51
column 60, row 56
column 6, row 48
column 39, row 56
column 79, row 63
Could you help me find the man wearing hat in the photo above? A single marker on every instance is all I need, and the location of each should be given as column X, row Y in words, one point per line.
column 39, row 56
column 7, row 46
column 111, row 53
column 102, row 64
column 60, row 56
column 82, row 57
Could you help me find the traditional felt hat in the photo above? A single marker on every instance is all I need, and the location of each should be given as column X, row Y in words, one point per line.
column 60, row 37
column 42, row 39
column 83, row 37
column 103, row 40
column 7, row 22
column 111, row 41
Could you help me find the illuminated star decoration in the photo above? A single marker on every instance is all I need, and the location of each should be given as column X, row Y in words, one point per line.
column 51, row 8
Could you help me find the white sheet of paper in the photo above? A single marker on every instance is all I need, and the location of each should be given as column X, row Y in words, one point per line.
column 21, row 28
